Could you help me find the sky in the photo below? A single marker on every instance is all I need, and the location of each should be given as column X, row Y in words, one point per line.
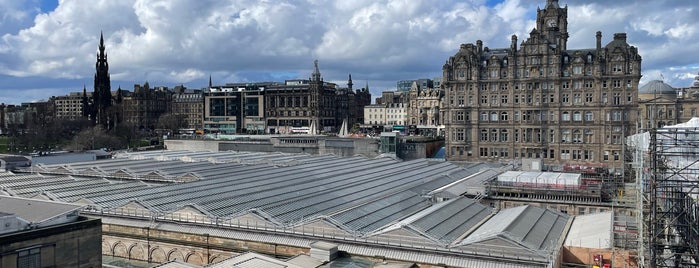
column 48, row 48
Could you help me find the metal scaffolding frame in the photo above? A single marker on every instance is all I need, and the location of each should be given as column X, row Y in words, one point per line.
column 672, row 190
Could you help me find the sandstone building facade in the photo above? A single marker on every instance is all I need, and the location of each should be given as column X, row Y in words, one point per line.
column 540, row 99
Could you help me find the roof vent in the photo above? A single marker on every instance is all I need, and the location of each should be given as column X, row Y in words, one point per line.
column 323, row 251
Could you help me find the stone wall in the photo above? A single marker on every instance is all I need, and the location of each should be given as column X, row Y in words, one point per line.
column 158, row 246
column 74, row 244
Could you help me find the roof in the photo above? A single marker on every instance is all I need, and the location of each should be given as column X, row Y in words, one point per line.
column 591, row 231
column 536, row 178
column 33, row 210
column 14, row 158
column 176, row 264
column 252, row 260
column 525, row 228
column 378, row 201
column 657, row 87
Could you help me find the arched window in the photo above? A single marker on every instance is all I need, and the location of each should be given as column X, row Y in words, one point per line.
column 503, row 116
column 577, row 116
column 484, row 135
column 589, row 116
column 504, row 137
column 484, row 116
column 494, row 116
column 565, row 116
column 494, row 135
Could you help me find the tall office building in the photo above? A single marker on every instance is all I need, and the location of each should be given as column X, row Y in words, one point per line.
column 541, row 99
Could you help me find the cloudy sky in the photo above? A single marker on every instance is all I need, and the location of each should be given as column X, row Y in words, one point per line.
column 48, row 47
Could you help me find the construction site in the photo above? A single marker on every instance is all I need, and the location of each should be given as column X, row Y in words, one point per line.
column 665, row 164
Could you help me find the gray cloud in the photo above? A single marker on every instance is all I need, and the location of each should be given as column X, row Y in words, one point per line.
column 382, row 41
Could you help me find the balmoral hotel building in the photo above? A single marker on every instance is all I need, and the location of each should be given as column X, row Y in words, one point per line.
column 541, row 99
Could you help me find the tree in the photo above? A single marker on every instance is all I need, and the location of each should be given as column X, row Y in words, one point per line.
column 94, row 138
column 171, row 122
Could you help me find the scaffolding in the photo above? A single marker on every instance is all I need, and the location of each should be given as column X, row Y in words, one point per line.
column 671, row 188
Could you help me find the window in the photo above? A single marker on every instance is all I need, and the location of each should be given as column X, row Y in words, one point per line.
column 577, row 116
column 577, row 69
column 484, row 99
column 616, row 115
column 484, row 116
column 564, row 98
column 589, row 116
column 604, row 97
column 616, row 68
column 461, row 101
column 577, row 136
column 503, row 99
column 576, row 98
column 616, row 83
column 484, row 135
column 484, row 152
column 460, row 136
column 552, row 136
column 503, row 116
column 29, row 258
column 494, row 135
column 459, row 116
column 565, row 154
column 516, row 116
column 565, row 116
column 565, row 135
column 503, row 135
column 588, row 97
column 494, row 116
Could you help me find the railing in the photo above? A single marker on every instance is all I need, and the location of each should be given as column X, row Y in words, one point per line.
column 494, row 253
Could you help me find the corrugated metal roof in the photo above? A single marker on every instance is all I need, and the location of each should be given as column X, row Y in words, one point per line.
column 532, row 228
column 452, row 220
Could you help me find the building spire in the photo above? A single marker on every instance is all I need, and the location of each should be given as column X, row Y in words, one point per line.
column 316, row 72
column 349, row 83
column 210, row 83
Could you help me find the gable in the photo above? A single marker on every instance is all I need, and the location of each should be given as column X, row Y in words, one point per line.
column 321, row 226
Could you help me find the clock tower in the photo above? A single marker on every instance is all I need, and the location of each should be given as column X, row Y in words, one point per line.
column 552, row 22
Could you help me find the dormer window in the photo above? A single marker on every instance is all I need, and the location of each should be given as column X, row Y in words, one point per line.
column 589, row 58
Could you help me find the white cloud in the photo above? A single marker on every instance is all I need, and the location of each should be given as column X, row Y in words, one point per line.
column 183, row 41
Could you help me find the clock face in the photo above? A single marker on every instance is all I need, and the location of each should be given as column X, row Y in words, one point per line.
column 551, row 23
